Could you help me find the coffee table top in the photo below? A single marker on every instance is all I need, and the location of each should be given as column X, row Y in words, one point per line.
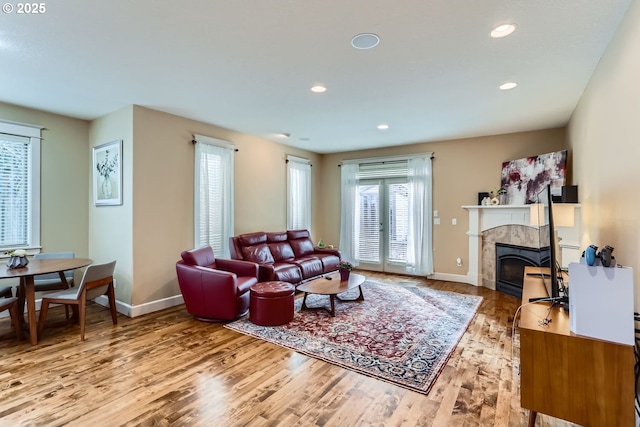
column 324, row 286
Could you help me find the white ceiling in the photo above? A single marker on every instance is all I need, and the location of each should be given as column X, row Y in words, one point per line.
column 248, row 65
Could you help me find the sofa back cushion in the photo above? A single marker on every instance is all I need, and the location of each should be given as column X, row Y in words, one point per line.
column 251, row 239
column 279, row 246
column 259, row 253
column 298, row 234
column 201, row 256
column 278, row 236
column 281, row 251
column 302, row 247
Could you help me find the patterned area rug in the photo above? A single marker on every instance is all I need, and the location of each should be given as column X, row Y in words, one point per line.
column 403, row 335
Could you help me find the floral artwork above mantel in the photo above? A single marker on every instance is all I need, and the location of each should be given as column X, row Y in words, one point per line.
column 524, row 179
column 107, row 173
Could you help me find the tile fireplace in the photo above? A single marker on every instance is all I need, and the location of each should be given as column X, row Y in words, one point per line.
column 510, row 225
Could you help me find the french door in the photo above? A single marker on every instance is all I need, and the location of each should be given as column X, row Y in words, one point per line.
column 382, row 224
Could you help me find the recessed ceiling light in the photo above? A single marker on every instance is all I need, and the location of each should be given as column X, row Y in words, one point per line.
column 383, row 126
column 283, row 135
column 365, row 41
column 508, row 85
column 318, row 89
column 503, row 30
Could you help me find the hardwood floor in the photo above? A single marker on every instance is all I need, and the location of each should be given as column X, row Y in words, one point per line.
column 167, row 369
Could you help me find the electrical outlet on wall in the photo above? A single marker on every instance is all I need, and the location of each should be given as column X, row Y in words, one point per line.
column 459, row 262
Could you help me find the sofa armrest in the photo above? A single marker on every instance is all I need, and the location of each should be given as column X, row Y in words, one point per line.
column 241, row 268
column 266, row 272
column 335, row 252
column 196, row 282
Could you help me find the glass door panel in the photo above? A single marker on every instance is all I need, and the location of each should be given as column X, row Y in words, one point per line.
column 369, row 236
column 382, row 225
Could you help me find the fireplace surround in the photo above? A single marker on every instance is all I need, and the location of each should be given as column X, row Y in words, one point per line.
column 510, row 224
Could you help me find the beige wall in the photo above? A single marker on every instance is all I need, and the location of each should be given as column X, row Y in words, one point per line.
column 146, row 234
column 603, row 133
column 64, row 184
column 461, row 169
column 163, row 169
column 110, row 226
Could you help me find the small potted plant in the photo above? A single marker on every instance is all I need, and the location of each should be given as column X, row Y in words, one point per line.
column 345, row 268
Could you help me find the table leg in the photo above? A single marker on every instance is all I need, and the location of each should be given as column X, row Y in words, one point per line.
column 306, row 307
column 21, row 290
column 532, row 418
column 29, row 293
column 360, row 297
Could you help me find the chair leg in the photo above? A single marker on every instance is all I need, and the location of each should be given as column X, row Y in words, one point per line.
column 112, row 303
column 13, row 312
column 83, row 314
column 44, row 308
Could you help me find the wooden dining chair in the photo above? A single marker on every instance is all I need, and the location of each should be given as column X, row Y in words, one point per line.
column 52, row 281
column 6, row 292
column 97, row 280
column 11, row 304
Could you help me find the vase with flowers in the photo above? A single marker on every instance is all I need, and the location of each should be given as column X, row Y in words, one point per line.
column 105, row 168
column 344, row 267
column 17, row 258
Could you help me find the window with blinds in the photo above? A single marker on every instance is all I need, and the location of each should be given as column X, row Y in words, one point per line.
column 380, row 170
column 19, row 186
column 299, row 193
column 214, row 195
column 15, row 191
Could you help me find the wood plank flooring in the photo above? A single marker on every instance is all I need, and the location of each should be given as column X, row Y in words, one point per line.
column 167, row 369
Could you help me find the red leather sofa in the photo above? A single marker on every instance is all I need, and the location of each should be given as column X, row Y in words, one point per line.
column 287, row 256
column 215, row 289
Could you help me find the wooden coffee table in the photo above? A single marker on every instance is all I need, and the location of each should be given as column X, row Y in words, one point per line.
column 331, row 285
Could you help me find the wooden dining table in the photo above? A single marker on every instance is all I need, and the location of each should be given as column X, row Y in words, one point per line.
column 27, row 290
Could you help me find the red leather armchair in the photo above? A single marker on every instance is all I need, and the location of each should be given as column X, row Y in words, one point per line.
column 213, row 289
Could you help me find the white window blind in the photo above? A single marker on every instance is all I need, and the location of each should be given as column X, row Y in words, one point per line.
column 14, row 190
column 299, row 193
column 366, row 234
column 214, row 198
column 19, row 186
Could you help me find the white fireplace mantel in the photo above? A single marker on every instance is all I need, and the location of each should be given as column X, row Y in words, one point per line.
column 482, row 218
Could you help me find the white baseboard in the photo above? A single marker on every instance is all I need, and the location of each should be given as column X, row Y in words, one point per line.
column 451, row 278
column 146, row 308
column 125, row 309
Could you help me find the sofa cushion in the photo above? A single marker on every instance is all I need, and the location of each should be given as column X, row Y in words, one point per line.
column 329, row 262
column 258, row 253
column 302, row 247
column 251, row 239
column 287, row 272
column 281, row 251
column 298, row 234
column 310, row 266
column 279, row 236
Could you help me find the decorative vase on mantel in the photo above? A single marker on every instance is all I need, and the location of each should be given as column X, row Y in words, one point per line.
column 106, row 187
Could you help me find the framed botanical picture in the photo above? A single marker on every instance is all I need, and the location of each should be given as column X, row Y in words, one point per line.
column 107, row 173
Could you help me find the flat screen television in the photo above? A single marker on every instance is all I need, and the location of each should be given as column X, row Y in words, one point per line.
column 553, row 282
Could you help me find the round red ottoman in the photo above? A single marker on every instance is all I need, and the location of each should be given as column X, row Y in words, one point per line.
column 271, row 303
